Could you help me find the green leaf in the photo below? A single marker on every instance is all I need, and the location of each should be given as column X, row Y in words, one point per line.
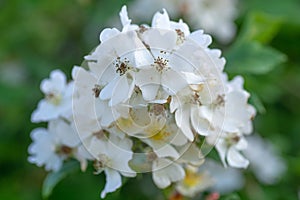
column 231, row 197
column 256, row 101
column 55, row 177
column 260, row 27
column 287, row 9
column 252, row 58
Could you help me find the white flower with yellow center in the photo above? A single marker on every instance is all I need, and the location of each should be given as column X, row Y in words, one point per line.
column 154, row 128
column 166, row 171
column 112, row 156
column 195, row 181
column 52, row 146
column 58, row 95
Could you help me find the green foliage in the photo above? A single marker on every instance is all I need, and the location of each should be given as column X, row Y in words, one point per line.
column 260, row 27
column 253, row 58
column 54, row 177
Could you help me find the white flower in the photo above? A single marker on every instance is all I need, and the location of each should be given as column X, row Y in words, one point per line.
column 266, row 164
column 112, row 157
column 190, row 154
column 195, row 181
column 225, row 180
column 166, row 172
column 214, row 16
column 57, row 101
column 90, row 112
column 52, row 146
column 154, row 127
column 229, row 147
column 230, row 121
column 186, row 105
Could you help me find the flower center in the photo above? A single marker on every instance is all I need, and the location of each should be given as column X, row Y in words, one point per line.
column 161, row 135
column 142, row 29
column 180, row 36
column 195, row 99
column 191, row 178
column 64, row 150
column 158, row 109
column 102, row 162
column 101, row 134
column 121, row 66
column 232, row 139
column 160, row 64
column 151, row 156
column 97, row 89
column 220, row 101
column 54, row 98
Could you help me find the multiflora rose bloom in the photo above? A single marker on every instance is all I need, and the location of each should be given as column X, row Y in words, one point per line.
column 58, row 95
column 146, row 101
column 265, row 162
column 55, row 144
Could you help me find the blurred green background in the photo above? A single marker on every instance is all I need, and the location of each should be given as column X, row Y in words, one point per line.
column 39, row 36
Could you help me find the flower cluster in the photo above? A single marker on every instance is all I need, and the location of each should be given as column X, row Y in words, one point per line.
column 150, row 99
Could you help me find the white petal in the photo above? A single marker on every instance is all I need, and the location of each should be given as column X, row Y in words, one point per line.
column 121, row 92
column 56, row 82
column 108, row 91
column 181, row 26
column 42, row 147
column 83, row 79
column 74, row 72
column 161, row 20
column 165, row 172
column 141, row 58
column 113, row 182
column 182, row 117
column 174, row 104
column 67, row 134
column 179, row 139
column 166, row 151
column 149, row 91
column 242, row 144
column 173, row 81
column 236, row 159
column 147, row 76
column 193, row 78
column 126, row 22
column 159, row 39
column 124, row 17
column 201, row 125
column 237, row 83
column 109, row 116
column 222, row 150
column 108, row 33
column 200, row 38
column 226, row 180
column 190, row 153
column 82, row 155
column 45, row 112
column 54, row 163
